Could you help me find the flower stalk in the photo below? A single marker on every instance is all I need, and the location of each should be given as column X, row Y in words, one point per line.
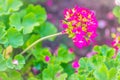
column 39, row 40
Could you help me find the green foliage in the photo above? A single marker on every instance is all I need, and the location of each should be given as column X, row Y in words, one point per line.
column 15, row 38
column 61, row 56
column 16, row 23
column 8, row 6
column 28, row 18
column 9, row 63
column 100, row 66
column 21, row 25
column 54, row 71
column 116, row 12
column 10, row 75
column 46, row 29
column 3, row 32
column 21, row 61
column 57, row 66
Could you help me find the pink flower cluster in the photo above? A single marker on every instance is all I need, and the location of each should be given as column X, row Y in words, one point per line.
column 47, row 58
column 75, row 64
column 80, row 24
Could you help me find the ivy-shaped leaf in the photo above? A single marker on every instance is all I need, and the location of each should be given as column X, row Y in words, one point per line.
column 64, row 55
column 29, row 39
column 21, row 61
column 13, row 75
column 15, row 21
column 61, row 77
column 46, row 29
column 10, row 64
column 15, row 38
column 28, row 18
column 3, row 76
column 41, row 53
column 3, row 39
column 33, row 78
column 29, row 23
column 104, row 51
column 116, row 11
column 68, row 68
column 3, row 65
column 112, row 73
column 39, row 11
column 53, row 71
column 8, row 6
column 77, row 77
column 102, row 73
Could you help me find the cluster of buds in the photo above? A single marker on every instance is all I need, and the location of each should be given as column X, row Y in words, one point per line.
column 80, row 24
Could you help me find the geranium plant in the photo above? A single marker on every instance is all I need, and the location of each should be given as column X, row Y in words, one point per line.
column 23, row 27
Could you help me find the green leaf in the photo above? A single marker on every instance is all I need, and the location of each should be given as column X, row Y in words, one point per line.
column 15, row 21
column 68, row 68
column 1, row 58
column 33, row 78
column 53, row 70
column 8, row 6
column 13, row 75
column 83, row 62
column 1, row 49
column 90, row 79
column 15, row 37
column 112, row 73
column 104, row 51
column 21, row 61
column 10, row 64
column 3, row 32
column 77, row 77
column 29, row 22
column 39, row 11
column 46, row 29
column 61, row 77
column 102, row 73
column 118, row 77
column 3, row 76
column 28, row 18
column 3, row 65
column 110, row 52
column 41, row 53
column 30, row 39
column 63, row 55
column 116, row 11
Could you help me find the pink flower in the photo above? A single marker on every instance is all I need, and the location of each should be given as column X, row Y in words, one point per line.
column 75, row 64
column 47, row 58
column 70, row 50
column 80, row 24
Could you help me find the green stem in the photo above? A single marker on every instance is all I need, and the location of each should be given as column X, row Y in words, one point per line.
column 39, row 40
